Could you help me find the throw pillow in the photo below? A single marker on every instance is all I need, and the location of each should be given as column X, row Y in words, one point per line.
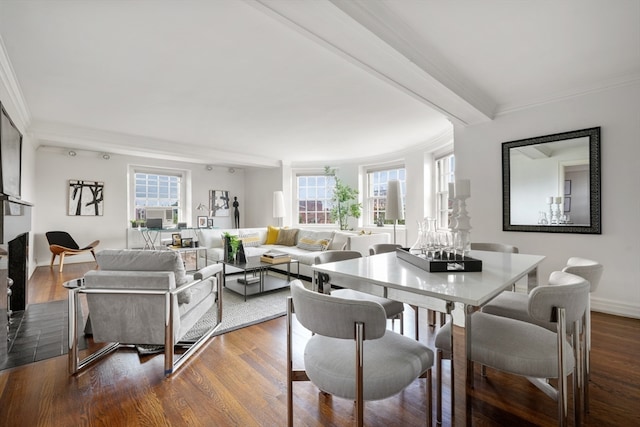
column 313, row 240
column 312, row 245
column 272, row 235
column 287, row 237
column 250, row 240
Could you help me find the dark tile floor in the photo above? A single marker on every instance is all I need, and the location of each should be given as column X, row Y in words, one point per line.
column 38, row 333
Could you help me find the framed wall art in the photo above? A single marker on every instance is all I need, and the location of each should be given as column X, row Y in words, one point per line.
column 202, row 222
column 219, row 202
column 86, row 198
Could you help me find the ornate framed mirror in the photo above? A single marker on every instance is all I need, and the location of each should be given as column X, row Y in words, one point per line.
column 551, row 183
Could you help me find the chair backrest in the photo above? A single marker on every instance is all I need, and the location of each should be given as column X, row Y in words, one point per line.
column 494, row 247
column 332, row 256
column 587, row 269
column 335, row 256
column 568, row 291
column 335, row 317
column 381, row 248
column 143, row 260
column 61, row 238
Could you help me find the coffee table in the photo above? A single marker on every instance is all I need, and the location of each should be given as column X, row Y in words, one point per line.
column 255, row 279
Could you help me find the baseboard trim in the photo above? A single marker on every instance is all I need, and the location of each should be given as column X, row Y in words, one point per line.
column 615, row 307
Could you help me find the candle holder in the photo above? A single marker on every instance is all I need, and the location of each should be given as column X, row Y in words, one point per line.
column 463, row 225
column 453, row 225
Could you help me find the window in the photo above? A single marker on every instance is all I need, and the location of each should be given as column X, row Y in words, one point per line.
column 377, row 192
column 314, row 193
column 157, row 194
column 445, row 174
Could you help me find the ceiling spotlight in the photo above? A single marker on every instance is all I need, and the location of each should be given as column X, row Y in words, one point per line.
column 232, row 170
column 106, row 156
column 209, row 167
column 72, row 153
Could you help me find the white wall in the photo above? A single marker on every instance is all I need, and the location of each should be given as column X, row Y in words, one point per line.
column 617, row 111
column 261, row 183
column 54, row 169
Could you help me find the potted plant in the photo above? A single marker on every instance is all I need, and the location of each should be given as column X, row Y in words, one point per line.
column 345, row 201
column 231, row 245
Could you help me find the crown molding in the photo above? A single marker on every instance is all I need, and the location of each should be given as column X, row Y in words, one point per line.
column 440, row 141
column 70, row 137
column 600, row 86
column 10, row 83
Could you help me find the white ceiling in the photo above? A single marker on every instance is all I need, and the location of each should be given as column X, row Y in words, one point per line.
column 259, row 82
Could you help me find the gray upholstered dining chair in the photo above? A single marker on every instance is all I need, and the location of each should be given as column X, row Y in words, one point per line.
column 591, row 271
column 494, row 247
column 515, row 306
column 351, row 354
column 381, row 248
column 393, row 309
column 525, row 348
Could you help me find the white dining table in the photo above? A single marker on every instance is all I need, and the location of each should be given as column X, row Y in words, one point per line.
column 392, row 277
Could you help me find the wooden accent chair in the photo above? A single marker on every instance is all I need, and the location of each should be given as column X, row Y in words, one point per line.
column 61, row 243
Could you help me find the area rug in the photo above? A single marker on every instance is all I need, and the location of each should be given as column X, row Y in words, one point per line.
column 236, row 314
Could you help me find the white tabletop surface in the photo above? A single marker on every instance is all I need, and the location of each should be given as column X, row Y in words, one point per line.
column 499, row 271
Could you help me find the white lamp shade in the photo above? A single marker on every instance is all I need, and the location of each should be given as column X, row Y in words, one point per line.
column 393, row 208
column 278, row 204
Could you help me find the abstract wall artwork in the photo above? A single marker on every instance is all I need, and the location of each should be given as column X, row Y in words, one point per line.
column 86, row 198
column 219, row 202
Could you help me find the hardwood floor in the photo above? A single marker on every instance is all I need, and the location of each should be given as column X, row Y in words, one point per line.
column 239, row 379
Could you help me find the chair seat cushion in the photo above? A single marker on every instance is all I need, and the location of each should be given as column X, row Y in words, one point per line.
column 512, row 346
column 515, row 305
column 391, row 363
column 391, row 308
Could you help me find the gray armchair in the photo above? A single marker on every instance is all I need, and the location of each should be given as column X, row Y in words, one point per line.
column 515, row 306
column 351, row 353
column 527, row 348
column 145, row 297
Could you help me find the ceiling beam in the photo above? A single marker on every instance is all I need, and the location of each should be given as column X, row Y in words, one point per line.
column 369, row 36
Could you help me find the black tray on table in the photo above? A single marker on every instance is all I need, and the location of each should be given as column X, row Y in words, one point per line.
column 454, row 264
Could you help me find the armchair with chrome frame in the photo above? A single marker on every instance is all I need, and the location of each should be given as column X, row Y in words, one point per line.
column 145, row 297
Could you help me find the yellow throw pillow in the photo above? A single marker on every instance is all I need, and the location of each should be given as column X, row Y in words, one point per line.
column 272, row 235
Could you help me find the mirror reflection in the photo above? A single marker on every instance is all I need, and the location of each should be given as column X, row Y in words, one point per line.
column 552, row 183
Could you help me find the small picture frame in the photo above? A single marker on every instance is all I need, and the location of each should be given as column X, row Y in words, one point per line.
column 176, row 239
column 187, row 242
column 202, row 222
column 567, row 204
column 210, row 222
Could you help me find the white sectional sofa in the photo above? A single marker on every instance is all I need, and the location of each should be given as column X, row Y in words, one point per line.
column 300, row 243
